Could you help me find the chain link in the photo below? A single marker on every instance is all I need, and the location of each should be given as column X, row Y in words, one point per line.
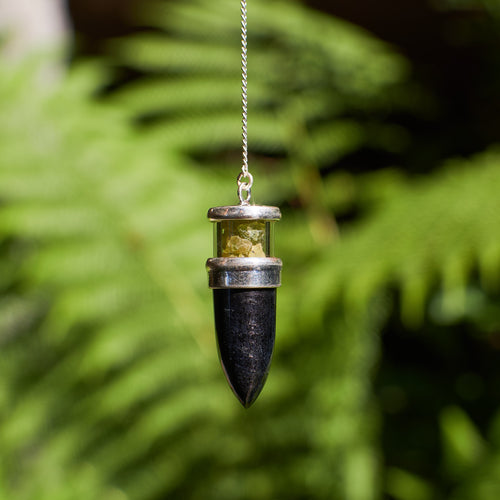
column 245, row 182
column 245, row 179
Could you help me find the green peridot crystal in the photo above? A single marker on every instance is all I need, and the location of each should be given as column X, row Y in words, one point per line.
column 245, row 239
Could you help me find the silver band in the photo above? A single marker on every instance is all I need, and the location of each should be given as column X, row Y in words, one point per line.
column 244, row 272
column 244, row 212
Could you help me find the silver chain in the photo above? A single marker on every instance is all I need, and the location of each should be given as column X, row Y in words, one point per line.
column 245, row 179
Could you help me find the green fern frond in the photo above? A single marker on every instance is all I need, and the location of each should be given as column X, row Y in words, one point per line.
column 436, row 230
column 109, row 382
column 304, row 71
column 117, row 342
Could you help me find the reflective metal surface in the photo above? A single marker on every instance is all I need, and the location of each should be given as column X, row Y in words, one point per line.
column 248, row 212
column 244, row 272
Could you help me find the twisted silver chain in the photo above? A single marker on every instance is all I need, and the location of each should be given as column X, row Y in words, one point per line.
column 245, row 179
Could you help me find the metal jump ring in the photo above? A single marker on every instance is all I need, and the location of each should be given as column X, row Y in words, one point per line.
column 245, row 186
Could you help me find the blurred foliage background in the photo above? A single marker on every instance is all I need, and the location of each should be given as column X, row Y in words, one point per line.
column 383, row 158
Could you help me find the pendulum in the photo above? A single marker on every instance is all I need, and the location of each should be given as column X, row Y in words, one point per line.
column 244, row 275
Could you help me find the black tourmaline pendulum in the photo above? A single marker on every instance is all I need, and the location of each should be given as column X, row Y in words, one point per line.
column 244, row 275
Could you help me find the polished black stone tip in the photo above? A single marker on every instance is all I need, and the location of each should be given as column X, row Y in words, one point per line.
column 245, row 324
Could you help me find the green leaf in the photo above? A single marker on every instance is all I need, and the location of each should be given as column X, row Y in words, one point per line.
column 463, row 445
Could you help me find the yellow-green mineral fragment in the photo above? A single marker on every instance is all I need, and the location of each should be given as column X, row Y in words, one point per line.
column 244, row 239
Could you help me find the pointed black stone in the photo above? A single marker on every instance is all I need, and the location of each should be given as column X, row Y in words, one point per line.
column 245, row 323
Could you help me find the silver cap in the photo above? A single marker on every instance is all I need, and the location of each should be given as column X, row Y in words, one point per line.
column 244, row 212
